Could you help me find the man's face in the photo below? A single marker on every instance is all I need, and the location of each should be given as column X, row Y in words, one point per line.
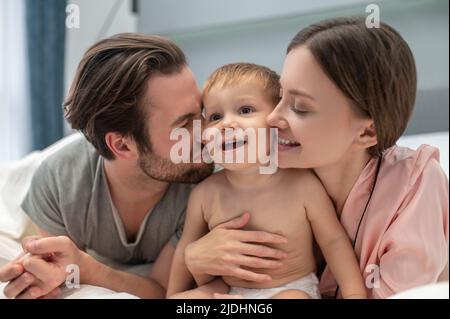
column 171, row 102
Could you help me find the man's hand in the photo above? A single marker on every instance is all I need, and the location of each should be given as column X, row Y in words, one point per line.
column 225, row 249
column 14, row 271
column 43, row 267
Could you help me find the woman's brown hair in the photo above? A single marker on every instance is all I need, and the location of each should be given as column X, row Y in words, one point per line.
column 373, row 67
column 108, row 89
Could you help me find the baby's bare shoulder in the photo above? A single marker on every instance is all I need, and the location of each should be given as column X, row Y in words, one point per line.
column 213, row 181
column 304, row 180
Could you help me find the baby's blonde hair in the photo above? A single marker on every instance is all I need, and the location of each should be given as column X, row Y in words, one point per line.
column 237, row 73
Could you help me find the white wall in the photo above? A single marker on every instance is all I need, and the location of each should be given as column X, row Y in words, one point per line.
column 93, row 14
column 175, row 16
column 213, row 33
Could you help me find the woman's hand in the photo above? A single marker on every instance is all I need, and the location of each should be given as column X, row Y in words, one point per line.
column 226, row 248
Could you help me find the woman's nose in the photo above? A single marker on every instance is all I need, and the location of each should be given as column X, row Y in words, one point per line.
column 275, row 119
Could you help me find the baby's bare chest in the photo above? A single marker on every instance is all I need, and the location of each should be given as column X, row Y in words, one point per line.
column 278, row 212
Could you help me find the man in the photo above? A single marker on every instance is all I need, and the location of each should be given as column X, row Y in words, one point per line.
column 130, row 91
column 116, row 194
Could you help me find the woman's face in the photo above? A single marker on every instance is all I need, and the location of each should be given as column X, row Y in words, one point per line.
column 314, row 116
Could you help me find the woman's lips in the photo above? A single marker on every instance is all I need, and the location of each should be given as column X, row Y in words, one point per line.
column 284, row 148
column 287, row 144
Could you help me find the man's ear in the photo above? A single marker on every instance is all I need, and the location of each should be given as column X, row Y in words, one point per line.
column 122, row 147
column 368, row 134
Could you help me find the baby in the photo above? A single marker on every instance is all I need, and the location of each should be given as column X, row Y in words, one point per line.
column 289, row 202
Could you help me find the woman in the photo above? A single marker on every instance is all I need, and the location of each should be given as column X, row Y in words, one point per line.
column 347, row 95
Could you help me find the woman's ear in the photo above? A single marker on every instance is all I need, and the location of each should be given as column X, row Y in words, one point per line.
column 122, row 147
column 368, row 134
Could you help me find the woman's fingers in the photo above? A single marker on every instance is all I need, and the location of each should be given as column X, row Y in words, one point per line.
column 255, row 262
column 211, row 253
column 17, row 286
column 235, row 223
column 260, row 251
column 259, row 237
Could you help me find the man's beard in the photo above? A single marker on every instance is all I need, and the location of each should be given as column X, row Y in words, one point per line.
column 165, row 170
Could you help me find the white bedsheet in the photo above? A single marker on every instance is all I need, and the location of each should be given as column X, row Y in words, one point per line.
column 15, row 178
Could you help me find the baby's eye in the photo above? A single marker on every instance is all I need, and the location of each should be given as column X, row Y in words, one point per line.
column 215, row 117
column 246, row 110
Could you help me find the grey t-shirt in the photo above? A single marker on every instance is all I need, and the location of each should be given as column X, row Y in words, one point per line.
column 69, row 195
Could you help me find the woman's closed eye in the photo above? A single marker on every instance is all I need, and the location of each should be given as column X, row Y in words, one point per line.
column 246, row 110
column 299, row 109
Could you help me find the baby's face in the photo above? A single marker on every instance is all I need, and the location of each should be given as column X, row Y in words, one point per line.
column 241, row 106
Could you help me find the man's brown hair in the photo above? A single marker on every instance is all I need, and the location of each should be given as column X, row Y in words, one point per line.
column 374, row 68
column 109, row 85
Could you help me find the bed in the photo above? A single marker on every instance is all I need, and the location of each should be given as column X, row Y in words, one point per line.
column 15, row 178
